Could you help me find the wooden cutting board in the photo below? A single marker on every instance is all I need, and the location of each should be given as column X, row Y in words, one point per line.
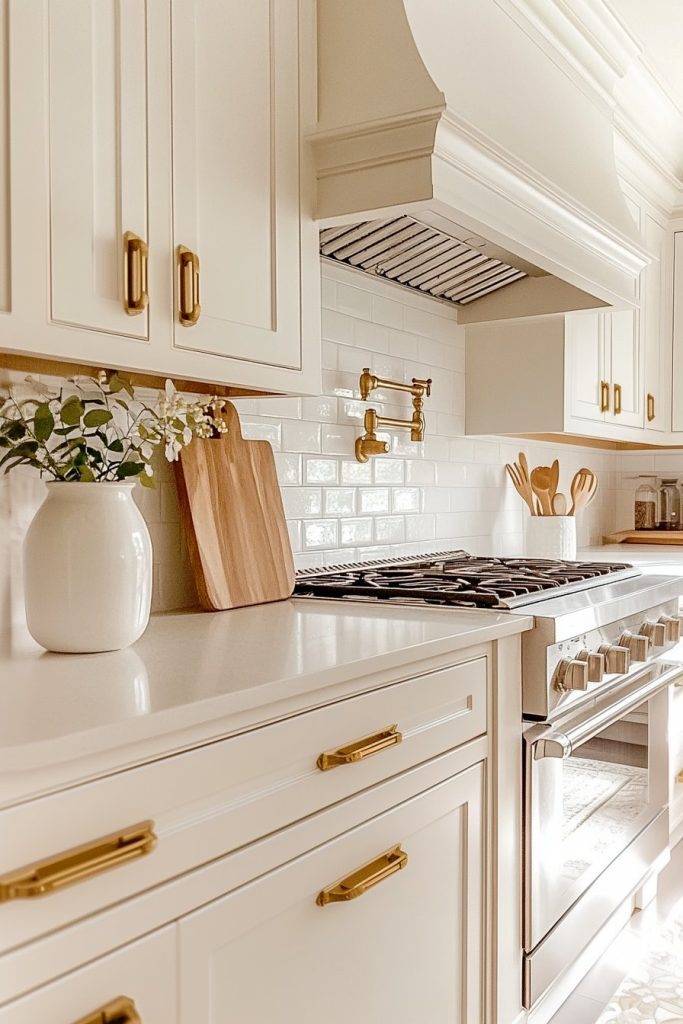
column 645, row 537
column 231, row 507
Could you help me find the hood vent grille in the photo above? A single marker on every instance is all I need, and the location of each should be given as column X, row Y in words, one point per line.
column 409, row 253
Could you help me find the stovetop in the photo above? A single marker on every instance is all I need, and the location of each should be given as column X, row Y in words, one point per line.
column 456, row 578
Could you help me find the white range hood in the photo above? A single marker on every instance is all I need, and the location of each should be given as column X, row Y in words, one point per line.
column 450, row 116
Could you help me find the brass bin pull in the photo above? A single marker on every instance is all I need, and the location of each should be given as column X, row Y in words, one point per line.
column 617, row 399
column 119, row 1011
column 360, row 749
column 188, row 287
column 650, row 408
column 77, row 864
column 364, row 878
column 604, row 396
column 135, row 253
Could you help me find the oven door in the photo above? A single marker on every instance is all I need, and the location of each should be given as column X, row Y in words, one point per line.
column 593, row 781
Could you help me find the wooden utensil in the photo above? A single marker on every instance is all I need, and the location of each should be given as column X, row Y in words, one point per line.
column 583, row 489
column 522, row 485
column 541, row 479
column 554, row 480
column 232, row 511
column 559, row 505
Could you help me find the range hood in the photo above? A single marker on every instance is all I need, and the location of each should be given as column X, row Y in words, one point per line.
column 453, row 155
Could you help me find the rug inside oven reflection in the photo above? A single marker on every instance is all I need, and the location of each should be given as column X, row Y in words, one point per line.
column 600, row 803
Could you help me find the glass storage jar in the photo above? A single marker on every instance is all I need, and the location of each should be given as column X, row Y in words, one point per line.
column 646, row 504
column 669, row 505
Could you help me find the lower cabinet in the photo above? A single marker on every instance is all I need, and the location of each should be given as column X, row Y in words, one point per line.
column 134, row 985
column 384, row 923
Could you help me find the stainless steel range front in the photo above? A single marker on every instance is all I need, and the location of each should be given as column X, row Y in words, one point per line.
column 595, row 677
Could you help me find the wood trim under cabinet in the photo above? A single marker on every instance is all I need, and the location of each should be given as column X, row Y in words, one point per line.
column 57, row 368
column 597, row 442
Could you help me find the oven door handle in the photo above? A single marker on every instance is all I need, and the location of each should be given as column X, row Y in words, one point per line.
column 561, row 743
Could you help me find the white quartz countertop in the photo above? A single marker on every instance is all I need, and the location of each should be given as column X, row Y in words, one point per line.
column 660, row 559
column 195, row 675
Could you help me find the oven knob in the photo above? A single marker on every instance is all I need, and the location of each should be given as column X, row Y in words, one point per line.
column 596, row 665
column 655, row 631
column 637, row 644
column 571, row 675
column 617, row 659
column 672, row 625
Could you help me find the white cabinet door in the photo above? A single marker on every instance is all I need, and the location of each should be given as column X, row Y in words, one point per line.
column 623, row 335
column 97, row 132
column 655, row 329
column 587, row 373
column 409, row 949
column 236, row 178
column 141, row 975
column 677, row 403
column 5, row 189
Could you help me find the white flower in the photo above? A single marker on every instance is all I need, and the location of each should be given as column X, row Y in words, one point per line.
column 148, row 471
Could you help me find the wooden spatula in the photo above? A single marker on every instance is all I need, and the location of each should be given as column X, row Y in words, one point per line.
column 583, row 488
column 522, row 485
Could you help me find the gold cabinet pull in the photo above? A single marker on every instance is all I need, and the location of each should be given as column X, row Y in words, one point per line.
column 188, row 287
column 360, row 749
column 119, row 1011
column 77, row 864
column 650, row 408
column 135, row 253
column 604, row 396
column 617, row 399
column 364, row 878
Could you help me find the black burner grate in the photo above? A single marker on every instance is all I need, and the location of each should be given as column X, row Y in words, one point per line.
column 454, row 578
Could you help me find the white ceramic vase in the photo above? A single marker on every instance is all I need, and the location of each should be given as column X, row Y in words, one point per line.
column 87, row 569
column 551, row 537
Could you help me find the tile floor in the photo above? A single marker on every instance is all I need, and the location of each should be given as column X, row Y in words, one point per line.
column 652, row 958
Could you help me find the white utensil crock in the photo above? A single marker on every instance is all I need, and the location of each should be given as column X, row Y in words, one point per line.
column 87, row 569
column 551, row 537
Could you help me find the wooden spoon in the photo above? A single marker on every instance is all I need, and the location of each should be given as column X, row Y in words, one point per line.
column 541, row 479
column 559, row 505
column 583, row 488
column 554, row 480
column 522, row 485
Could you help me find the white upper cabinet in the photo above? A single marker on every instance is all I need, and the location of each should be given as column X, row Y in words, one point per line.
column 98, row 164
column 236, row 178
column 164, row 221
column 587, row 380
column 623, row 342
column 656, row 328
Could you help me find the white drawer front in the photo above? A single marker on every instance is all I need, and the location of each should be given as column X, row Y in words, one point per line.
column 141, row 975
column 211, row 800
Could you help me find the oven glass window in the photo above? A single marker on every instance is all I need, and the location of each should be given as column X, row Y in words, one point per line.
column 605, row 785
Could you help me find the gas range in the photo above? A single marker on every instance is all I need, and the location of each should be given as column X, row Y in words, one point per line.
column 595, row 622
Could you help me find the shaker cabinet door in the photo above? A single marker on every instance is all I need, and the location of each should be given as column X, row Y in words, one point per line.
column 97, row 179
column 236, row 179
column 623, row 326
column 409, row 948
column 587, row 377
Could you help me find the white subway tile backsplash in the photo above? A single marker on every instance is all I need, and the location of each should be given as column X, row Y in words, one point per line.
column 338, row 440
column 340, row 501
column 320, row 533
column 321, row 471
column 356, row 531
column 387, row 311
column 323, row 408
column 356, row 472
column 262, row 430
column 289, row 470
column 354, row 302
column 301, row 436
column 390, row 529
column 374, row 499
column 406, row 499
column 389, row 471
column 302, row 501
column 335, row 326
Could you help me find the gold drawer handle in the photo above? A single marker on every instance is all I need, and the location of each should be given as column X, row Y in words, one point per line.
column 119, row 1011
column 366, row 747
column 77, row 864
column 617, row 399
column 189, row 308
column 135, row 253
column 364, row 878
column 604, row 396
column 650, row 408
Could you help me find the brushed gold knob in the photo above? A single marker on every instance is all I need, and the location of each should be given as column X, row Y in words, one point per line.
column 637, row 644
column 655, row 631
column 672, row 625
column 571, row 675
column 596, row 665
column 617, row 659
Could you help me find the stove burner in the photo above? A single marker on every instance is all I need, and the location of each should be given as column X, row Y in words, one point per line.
column 454, row 578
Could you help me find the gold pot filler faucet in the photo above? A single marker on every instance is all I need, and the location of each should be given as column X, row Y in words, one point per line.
column 369, row 444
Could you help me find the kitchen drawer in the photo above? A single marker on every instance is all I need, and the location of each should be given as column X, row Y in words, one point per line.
column 204, row 803
column 141, row 974
column 352, row 915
